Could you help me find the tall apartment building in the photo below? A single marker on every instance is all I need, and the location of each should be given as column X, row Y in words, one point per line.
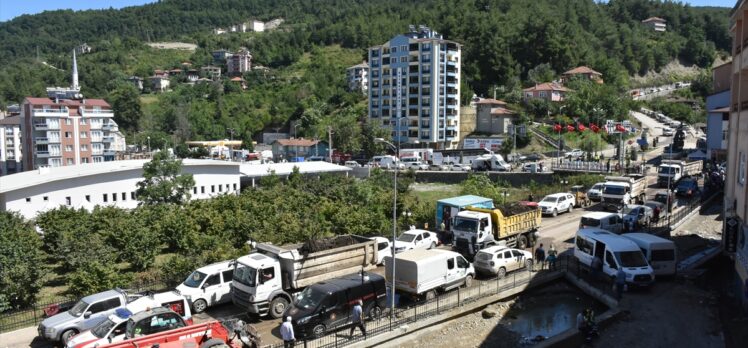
column 239, row 62
column 414, row 88
column 358, row 77
column 735, row 234
column 65, row 129
column 11, row 151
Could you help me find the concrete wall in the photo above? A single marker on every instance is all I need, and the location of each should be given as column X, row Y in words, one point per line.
column 514, row 179
column 467, row 122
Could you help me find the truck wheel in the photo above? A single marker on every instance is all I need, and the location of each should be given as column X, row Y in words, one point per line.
column 522, row 242
column 555, row 213
column 501, row 273
column 319, row 330
column 67, row 335
column 199, row 306
column 213, row 343
column 277, row 306
column 468, row 281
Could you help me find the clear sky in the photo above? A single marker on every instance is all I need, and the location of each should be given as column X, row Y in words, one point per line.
column 10, row 9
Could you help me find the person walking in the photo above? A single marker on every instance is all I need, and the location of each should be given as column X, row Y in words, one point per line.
column 358, row 318
column 552, row 253
column 286, row 331
column 596, row 267
column 607, row 166
column 540, row 256
column 620, row 283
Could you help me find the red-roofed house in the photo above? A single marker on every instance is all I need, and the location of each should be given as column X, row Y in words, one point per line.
column 656, row 23
column 493, row 117
column 67, row 132
column 549, row 91
column 240, row 81
column 299, row 147
column 582, row 71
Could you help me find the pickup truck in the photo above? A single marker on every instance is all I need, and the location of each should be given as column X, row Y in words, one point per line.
column 671, row 171
column 85, row 314
column 265, row 281
column 622, row 190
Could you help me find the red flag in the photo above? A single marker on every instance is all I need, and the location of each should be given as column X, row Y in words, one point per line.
column 569, row 128
column 620, row 128
column 581, row 127
column 557, row 128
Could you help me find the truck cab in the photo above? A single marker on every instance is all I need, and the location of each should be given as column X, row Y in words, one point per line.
column 616, row 194
column 470, row 228
column 668, row 173
column 257, row 285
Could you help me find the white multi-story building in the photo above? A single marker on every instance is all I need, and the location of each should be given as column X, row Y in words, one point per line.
column 257, row 26
column 11, row 151
column 239, row 62
column 358, row 77
column 656, row 23
column 105, row 184
column 414, row 88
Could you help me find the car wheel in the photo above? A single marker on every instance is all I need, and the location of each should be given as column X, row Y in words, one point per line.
column 374, row 312
column 319, row 330
column 277, row 306
column 571, row 208
column 199, row 306
column 555, row 213
column 501, row 273
column 468, row 281
column 67, row 335
column 432, row 246
column 528, row 264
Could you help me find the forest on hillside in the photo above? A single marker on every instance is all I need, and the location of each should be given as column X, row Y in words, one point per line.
column 505, row 44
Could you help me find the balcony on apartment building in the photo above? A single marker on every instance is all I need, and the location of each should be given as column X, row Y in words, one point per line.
column 110, row 152
column 42, row 154
column 42, row 126
column 452, row 46
column 46, row 112
column 96, row 113
column 107, row 139
column 41, row 140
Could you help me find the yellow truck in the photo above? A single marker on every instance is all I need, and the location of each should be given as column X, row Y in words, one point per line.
column 475, row 228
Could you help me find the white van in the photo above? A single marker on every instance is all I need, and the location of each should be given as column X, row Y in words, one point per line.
column 660, row 252
column 208, row 285
column 607, row 221
column 421, row 273
column 386, row 162
column 615, row 251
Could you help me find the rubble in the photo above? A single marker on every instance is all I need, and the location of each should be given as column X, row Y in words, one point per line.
column 316, row 245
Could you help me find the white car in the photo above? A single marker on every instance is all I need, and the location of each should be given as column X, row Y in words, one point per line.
column 208, row 285
column 417, row 165
column 439, row 167
column 556, row 203
column 576, row 153
column 595, row 193
column 416, row 239
column 667, row 132
column 499, row 260
column 457, row 167
column 384, row 248
column 351, row 164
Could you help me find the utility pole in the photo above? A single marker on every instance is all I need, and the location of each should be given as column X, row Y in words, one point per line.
column 329, row 136
column 231, row 145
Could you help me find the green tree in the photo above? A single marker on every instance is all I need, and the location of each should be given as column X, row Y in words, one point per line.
column 163, row 181
column 95, row 276
column 21, row 262
column 125, row 102
column 541, row 73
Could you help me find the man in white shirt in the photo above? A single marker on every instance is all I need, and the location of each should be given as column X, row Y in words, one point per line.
column 286, row 331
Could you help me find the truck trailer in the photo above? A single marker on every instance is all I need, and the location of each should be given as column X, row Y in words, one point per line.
column 477, row 228
column 266, row 280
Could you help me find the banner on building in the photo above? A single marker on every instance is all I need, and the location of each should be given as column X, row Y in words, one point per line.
column 492, row 144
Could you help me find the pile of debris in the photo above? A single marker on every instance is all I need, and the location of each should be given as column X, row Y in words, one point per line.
column 515, row 208
column 317, row 245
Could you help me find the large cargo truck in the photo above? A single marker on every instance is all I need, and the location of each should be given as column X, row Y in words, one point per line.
column 477, row 228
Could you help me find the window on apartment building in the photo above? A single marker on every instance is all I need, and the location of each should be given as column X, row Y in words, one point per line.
column 98, row 159
column 202, row 189
column 403, row 48
column 68, row 121
column 124, row 196
column 68, row 148
column 220, row 188
column 194, row 190
column 234, row 187
column 105, row 198
column 68, row 201
column 132, row 195
column 45, row 198
column 393, row 49
column 55, row 162
column 68, row 135
column 212, row 188
column 69, row 161
column 84, row 135
column 114, row 197
column 84, row 147
column 85, row 160
column 88, row 198
column 28, row 199
column 403, row 59
column 83, row 121
column 228, row 187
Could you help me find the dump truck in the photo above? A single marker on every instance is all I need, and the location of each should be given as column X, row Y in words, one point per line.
column 671, row 171
column 621, row 190
column 477, row 228
column 265, row 280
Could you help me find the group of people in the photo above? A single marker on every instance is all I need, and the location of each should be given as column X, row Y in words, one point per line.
column 541, row 258
column 357, row 319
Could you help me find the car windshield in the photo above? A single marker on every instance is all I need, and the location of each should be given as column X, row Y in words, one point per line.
column 550, row 199
column 103, row 328
column 631, row 259
column 589, row 222
column 468, row 225
column 597, row 187
column 245, row 275
column 310, row 298
column 631, row 210
column 195, row 279
column 614, row 190
column 78, row 309
column 405, row 237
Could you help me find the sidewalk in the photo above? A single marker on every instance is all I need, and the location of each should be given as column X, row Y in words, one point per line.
column 21, row 338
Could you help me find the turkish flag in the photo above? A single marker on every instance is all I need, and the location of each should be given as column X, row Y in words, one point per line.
column 594, row 127
column 620, row 128
column 569, row 128
column 581, row 127
column 557, row 128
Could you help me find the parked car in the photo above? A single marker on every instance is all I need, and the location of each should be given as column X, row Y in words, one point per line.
column 315, row 159
column 533, row 157
column 663, row 211
column 688, row 187
column 575, row 153
column 595, row 193
column 634, row 215
column 114, row 328
column 531, row 167
column 417, row 165
column 499, row 260
column 384, row 248
column 208, row 285
column 416, row 239
column 667, row 198
column 84, row 315
column 668, row 132
column 457, row 167
column 556, row 203
column 439, row 167
column 611, row 222
column 352, row 164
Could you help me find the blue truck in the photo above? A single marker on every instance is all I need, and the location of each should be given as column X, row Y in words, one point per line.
column 449, row 207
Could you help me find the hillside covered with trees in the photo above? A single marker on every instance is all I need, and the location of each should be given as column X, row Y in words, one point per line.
column 505, row 44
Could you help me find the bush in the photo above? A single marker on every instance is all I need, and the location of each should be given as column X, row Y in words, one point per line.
column 94, row 276
column 21, row 262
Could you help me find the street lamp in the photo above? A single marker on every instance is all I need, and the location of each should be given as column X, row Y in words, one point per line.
column 294, row 129
column 394, row 223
